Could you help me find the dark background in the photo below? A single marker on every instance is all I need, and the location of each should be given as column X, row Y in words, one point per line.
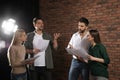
column 23, row 11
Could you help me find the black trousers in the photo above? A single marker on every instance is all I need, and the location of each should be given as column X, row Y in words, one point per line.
column 40, row 73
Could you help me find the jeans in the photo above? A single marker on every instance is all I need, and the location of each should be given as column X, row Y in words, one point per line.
column 21, row 76
column 78, row 68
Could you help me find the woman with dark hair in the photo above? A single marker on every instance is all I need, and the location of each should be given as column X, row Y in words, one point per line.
column 98, row 57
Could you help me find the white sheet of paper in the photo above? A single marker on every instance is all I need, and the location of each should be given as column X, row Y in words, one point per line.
column 80, row 53
column 30, row 59
column 42, row 45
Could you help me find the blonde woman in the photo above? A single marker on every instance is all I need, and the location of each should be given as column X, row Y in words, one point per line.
column 16, row 56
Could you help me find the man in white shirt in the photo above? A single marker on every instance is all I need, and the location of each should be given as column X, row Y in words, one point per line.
column 41, row 69
column 79, row 40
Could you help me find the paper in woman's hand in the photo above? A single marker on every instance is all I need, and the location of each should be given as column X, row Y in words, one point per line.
column 30, row 59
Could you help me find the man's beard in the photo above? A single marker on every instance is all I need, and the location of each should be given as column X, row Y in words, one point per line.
column 81, row 31
column 40, row 29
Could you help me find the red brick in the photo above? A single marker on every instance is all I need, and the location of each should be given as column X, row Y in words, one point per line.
column 62, row 15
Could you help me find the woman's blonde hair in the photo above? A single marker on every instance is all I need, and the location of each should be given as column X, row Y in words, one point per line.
column 16, row 36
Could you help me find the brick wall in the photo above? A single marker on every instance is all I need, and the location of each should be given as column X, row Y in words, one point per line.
column 62, row 15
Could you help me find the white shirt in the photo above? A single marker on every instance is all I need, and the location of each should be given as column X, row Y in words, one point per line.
column 40, row 61
column 78, row 42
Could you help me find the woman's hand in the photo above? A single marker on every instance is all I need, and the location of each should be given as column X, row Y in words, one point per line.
column 91, row 58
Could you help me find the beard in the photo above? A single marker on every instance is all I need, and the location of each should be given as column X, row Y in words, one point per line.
column 39, row 28
column 81, row 31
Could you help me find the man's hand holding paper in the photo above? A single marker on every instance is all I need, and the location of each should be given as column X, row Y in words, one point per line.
column 35, row 50
column 77, row 52
column 43, row 45
column 40, row 46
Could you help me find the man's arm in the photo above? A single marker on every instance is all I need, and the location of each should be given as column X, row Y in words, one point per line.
column 55, row 42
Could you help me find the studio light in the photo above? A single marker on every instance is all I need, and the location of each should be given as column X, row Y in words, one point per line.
column 9, row 26
column 2, row 44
